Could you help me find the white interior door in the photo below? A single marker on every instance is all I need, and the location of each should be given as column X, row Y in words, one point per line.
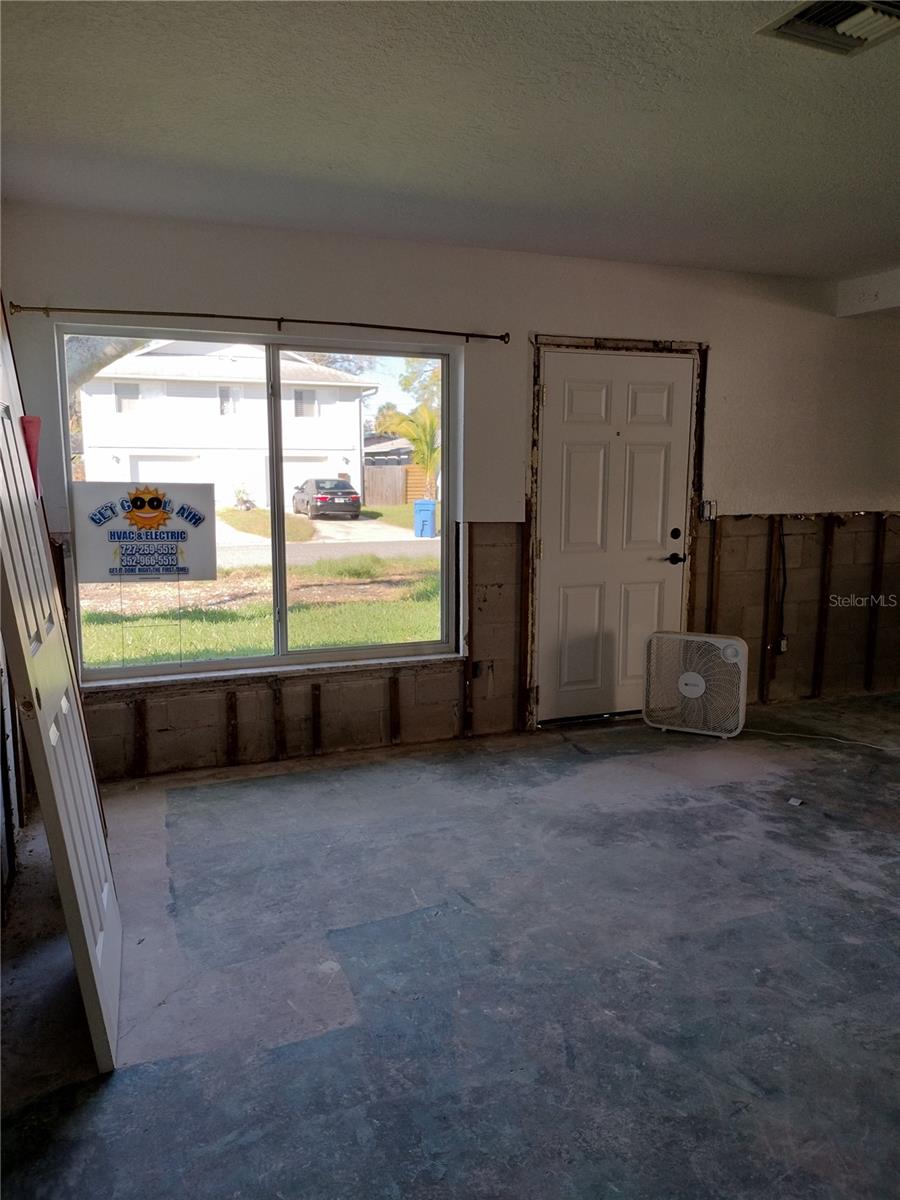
column 613, row 503
column 42, row 673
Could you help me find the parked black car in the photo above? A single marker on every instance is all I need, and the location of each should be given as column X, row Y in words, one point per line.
column 327, row 498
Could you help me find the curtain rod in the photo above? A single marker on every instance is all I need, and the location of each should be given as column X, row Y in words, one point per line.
column 279, row 321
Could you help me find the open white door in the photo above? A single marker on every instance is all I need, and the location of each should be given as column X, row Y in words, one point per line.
column 614, row 456
column 42, row 672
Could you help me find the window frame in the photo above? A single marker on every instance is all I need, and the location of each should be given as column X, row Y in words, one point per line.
column 451, row 549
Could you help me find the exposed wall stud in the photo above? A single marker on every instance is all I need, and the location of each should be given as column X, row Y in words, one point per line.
column 232, row 751
column 712, row 578
column 394, row 708
column 874, row 607
column 316, row 713
column 824, row 592
column 468, row 710
column 767, row 658
column 278, row 725
column 139, row 762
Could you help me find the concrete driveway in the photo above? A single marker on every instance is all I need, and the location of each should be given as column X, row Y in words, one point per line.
column 366, row 529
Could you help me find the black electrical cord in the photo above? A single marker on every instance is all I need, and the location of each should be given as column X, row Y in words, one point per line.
column 781, row 601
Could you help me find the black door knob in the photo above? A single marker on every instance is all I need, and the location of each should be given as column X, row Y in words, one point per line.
column 675, row 558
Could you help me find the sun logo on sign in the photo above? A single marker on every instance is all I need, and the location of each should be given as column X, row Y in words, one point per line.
column 147, row 508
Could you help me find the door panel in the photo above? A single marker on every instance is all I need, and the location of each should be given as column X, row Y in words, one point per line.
column 641, row 609
column 584, row 497
column 646, row 496
column 43, row 678
column 580, row 634
column 613, row 484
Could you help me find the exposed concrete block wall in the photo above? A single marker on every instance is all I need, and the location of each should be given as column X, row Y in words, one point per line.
column 175, row 725
column 742, row 566
column 496, row 601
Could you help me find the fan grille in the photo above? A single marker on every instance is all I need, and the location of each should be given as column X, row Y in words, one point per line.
column 717, row 710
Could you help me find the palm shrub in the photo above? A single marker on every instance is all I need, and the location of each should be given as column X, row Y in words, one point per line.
column 422, row 429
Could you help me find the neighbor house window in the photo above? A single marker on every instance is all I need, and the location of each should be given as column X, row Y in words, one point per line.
column 304, row 403
column 127, row 396
column 309, row 555
column 228, row 400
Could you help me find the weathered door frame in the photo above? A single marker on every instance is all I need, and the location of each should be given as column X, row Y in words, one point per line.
column 699, row 351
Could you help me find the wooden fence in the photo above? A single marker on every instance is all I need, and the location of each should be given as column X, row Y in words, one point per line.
column 394, row 485
column 385, row 485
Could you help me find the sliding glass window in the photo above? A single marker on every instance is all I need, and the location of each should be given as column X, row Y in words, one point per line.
column 217, row 525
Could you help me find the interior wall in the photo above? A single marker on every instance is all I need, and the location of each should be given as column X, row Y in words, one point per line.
column 803, row 408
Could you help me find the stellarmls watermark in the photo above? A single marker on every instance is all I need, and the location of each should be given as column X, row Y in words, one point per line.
column 860, row 600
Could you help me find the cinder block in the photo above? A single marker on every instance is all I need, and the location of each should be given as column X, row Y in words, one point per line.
column 800, row 525
column 892, row 540
column 752, row 621
column 345, row 694
column 496, row 564
column 863, row 522
column 793, row 550
column 757, row 553
column 256, row 726
column 186, row 749
column 497, row 715
column 111, row 756
column 109, row 720
column 196, row 710
column 354, row 727
column 496, row 677
column 803, row 584
column 745, row 526
column 495, row 640
column 157, row 715
column 740, row 588
column 842, row 548
column 430, row 723
column 864, row 547
column 847, row 580
column 496, row 602
column 729, row 619
column 791, row 618
column 733, row 554
column 812, row 550
column 439, row 685
column 494, row 533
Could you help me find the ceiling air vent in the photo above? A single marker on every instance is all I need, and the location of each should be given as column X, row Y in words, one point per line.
column 838, row 26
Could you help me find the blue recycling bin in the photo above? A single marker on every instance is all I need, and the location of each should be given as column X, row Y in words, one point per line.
column 424, row 518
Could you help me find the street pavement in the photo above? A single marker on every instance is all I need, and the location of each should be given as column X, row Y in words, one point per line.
column 334, row 540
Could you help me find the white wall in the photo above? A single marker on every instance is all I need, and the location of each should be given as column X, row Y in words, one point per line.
column 803, row 408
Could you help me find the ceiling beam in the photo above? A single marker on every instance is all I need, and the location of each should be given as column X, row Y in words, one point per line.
column 877, row 293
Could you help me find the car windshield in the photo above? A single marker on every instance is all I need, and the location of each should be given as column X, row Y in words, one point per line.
column 334, row 485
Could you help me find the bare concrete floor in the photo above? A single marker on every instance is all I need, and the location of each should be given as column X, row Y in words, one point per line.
column 596, row 963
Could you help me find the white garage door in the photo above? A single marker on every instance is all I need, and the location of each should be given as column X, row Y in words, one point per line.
column 151, row 468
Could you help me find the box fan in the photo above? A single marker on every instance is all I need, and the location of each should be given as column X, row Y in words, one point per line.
column 696, row 683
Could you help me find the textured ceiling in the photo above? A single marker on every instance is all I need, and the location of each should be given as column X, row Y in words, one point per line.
column 655, row 132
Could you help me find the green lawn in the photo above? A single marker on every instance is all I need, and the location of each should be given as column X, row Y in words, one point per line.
column 364, row 566
column 258, row 521
column 397, row 514
column 197, row 634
